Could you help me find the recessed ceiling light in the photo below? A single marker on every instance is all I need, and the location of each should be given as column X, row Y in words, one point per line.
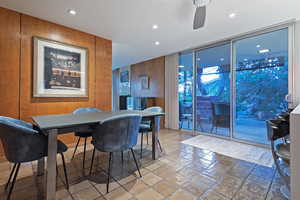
column 232, row 15
column 222, row 59
column 72, row 12
column 157, row 43
column 258, row 46
column 264, row 51
column 198, row 59
column 181, row 66
column 155, row 26
column 245, row 59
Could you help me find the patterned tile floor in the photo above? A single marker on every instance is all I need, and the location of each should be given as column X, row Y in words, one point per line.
column 182, row 173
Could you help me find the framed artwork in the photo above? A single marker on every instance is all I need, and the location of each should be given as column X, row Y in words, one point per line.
column 144, row 82
column 60, row 70
column 124, row 76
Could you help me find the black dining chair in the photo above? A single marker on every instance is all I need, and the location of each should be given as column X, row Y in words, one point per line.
column 277, row 131
column 22, row 142
column 220, row 115
column 86, row 134
column 146, row 127
column 116, row 134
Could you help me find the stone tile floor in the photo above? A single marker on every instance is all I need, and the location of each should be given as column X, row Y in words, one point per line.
column 182, row 173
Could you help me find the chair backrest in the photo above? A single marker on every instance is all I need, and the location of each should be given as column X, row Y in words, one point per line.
column 277, row 129
column 153, row 109
column 117, row 133
column 85, row 110
column 220, row 109
column 20, row 141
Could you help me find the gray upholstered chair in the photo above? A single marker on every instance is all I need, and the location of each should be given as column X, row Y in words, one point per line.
column 116, row 134
column 86, row 134
column 22, row 142
column 146, row 127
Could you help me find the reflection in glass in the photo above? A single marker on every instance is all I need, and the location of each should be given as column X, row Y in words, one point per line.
column 185, row 91
column 261, row 83
column 213, row 90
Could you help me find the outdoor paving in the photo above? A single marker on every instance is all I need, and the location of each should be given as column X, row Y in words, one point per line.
column 247, row 129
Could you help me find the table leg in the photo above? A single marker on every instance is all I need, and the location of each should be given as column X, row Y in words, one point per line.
column 51, row 164
column 155, row 128
column 41, row 167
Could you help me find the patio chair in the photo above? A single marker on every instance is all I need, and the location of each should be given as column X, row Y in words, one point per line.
column 220, row 116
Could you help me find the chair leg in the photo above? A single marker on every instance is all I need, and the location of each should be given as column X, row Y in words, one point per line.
column 65, row 170
column 13, row 182
column 93, row 156
column 137, row 166
column 147, row 139
column 10, row 176
column 122, row 157
column 108, row 173
column 212, row 127
column 56, row 170
column 84, row 150
column 159, row 145
column 76, row 147
column 142, row 137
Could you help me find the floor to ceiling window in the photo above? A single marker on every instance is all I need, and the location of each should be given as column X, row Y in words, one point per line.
column 261, row 83
column 185, row 90
column 212, row 96
column 238, row 86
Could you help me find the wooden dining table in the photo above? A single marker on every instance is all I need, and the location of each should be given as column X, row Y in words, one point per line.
column 54, row 125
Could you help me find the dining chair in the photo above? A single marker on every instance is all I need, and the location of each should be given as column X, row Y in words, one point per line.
column 85, row 134
column 116, row 134
column 22, row 142
column 146, row 127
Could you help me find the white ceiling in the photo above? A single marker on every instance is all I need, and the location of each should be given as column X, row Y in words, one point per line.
column 128, row 23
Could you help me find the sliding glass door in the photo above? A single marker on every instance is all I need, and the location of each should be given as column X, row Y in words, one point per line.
column 261, row 83
column 230, row 89
column 212, row 95
column 185, row 90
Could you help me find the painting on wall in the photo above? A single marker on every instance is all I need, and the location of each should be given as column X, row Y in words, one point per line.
column 144, row 82
column 60, row 70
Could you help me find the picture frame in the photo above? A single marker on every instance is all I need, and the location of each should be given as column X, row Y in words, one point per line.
column 59, row 69
column 144, row 82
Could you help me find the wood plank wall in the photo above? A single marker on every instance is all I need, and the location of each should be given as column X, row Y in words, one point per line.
column 16, row 48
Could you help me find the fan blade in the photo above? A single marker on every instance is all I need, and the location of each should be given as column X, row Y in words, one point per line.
column 199, row 19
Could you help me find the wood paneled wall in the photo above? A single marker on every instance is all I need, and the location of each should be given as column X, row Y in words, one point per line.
column 16, row 65
column 103, row 82
column 9, row 62
column 155, row 69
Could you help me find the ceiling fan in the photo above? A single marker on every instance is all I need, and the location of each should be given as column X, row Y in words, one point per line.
column 200, row 14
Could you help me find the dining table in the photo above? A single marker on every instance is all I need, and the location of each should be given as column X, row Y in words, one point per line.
column 54, row 125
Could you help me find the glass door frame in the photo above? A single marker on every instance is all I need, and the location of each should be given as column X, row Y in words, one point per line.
column 290, row 28
column 291, row 89
column 224, row 42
